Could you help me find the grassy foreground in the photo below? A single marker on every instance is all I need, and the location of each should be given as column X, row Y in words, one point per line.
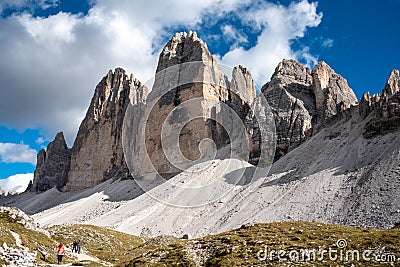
column 282, row 244
column 34, row 240
column 106, row 245
column 270, row 244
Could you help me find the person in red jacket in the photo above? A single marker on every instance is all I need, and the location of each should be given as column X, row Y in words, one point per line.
column 60, row 252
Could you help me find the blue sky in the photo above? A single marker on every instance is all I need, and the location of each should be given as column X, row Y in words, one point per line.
column 54, row 52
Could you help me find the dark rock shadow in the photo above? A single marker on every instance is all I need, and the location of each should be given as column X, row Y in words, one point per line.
column 286, row 179
column 246, row 175
column 241, row 176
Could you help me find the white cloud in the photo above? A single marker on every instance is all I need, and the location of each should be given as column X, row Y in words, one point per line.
column 45, row 4
column 328, row 43
column 56, row 28
column 17, row 153
column 306, row 56
column 231, row 34
column 17, row 182
column 40, row 140
column 50, row 66
column 279, row 25
column 30, row 4
column 12, row 4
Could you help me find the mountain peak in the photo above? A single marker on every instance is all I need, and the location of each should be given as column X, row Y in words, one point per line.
column 333, row 94
column 101, row 130
column 182, row 48
column 60, row 137
column 52, row 165
column 304, row 100
column 292, row 69
column 181, row 36
column 385, row 108
column 393, row 83
column 322, row 64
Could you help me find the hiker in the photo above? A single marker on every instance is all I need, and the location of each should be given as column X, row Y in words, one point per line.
column 79, row 245
column 74, row 247
column 60, row 252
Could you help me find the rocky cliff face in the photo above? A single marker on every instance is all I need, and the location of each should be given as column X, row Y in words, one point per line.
column 332, row 93
column 97, row 153
column 187, row 102
column 385, row 108
column 305, row 100
column 52, row 165
column 291, row 97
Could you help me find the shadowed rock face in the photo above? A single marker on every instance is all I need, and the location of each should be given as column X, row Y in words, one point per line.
column 291, row 98
column 52, row 165
column 175, row 83
column 305, row 100
column 183, row 47
column 332, row 93
column 385, row 108
column 187, row 71
column 97, row 153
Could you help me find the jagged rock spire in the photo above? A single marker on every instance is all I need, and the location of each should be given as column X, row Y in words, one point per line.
column 52, row 165
column 186, row 70
column 332, row 92
column 304, row 100
column 385, row 108
column 97, row 153
column 183, row 47
column 393, row 84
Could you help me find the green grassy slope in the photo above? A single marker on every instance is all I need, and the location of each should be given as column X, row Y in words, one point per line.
column 270, row 244
column 247, row 246
column 106, row 245
column 35, row 241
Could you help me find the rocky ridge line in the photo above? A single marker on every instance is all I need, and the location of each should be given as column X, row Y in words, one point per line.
column 304, row 101
column 383, row 108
